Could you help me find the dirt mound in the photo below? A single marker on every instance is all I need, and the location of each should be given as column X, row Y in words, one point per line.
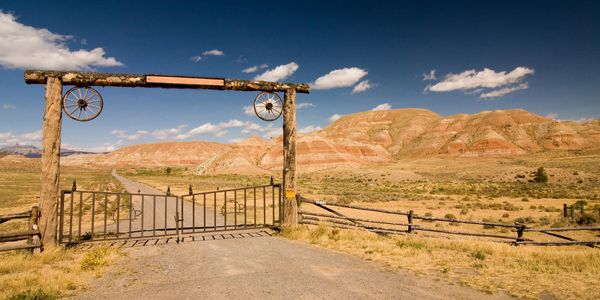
column 370, row 137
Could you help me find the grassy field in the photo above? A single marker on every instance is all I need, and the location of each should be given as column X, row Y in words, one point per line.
column 527, row 272
column 54, row 273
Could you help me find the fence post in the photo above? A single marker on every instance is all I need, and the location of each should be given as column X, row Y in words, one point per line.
column 564, row 210
column 520, row 231
column 33, row 220
column 298, row 202
column 190, row 191
column 571, row 208
column 168, row 191
column 410, row 220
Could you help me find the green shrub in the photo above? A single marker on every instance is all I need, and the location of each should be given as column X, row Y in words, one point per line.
column 540, row 175
column 478, row 254
column 38, row 294
column 586, row 219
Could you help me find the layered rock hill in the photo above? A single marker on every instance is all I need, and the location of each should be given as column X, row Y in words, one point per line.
column 371, row 137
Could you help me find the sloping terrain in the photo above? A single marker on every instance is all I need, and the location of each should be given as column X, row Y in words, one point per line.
column 370, row 137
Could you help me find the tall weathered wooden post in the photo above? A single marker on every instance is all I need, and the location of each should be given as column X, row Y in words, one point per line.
column 50, row 160
column 290, row 206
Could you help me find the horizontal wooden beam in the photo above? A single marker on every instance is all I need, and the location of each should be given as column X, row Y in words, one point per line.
column 160, row 81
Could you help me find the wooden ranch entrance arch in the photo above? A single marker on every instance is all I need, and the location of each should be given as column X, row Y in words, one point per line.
column 52, row 122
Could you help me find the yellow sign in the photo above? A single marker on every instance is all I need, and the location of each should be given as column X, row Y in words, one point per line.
column 290, row 194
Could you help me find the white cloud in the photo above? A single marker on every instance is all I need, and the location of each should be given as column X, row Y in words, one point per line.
column 552, row 116
column 163, row 134
column 279, row 73
column 273, row 132
column 23, row 47
column 339, row 78
column 429, row 76
column 249, row 110
column 8, row 106
column 362, row 86
column 472, row 81
column 30, row 138
column 122, row 134
column 334, row 118
column 232, row 124
column 503, row 91
column 196, row 58
column 383, row 106
column 309, row 128
column 304, row 105
column 213, row 52
column 106, row 147
column 254, row 68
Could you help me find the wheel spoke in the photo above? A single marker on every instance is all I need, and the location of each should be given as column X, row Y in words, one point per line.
column 79, row 116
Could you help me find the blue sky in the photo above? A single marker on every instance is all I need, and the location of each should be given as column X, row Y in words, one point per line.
column 543, row 56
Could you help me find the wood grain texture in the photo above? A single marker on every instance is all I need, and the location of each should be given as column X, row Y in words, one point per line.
column 50, row 160
column 290, row 205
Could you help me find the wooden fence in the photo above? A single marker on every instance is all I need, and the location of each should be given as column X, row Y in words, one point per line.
column 336, row 219
column 31, row 235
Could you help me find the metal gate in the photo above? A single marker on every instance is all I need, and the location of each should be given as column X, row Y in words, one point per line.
column 99, row 216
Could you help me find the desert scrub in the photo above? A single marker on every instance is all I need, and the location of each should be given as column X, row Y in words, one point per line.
column 98, row 257
column 563, row 272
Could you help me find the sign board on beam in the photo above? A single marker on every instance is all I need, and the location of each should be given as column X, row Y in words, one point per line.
column 185, row 80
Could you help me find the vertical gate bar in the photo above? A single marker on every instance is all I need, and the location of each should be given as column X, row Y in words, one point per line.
column 71, row 218
column 264, row 206
column 234, row 209
column 118, row 213
column 273, row 202
column 181, row 216
column 193, row 213
column 225, row 210
column 254, row 207
column 105, row 212
column 204, row 211
column 130, row 211
column 142, row 230
column 93, row 211
column 245, row 210
column 80, row 215
column 62, row 216
column 177, row 216
column 215, row 212
column 165, row 219
column 154, row 215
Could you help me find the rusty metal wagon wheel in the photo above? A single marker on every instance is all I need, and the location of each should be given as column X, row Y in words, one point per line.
column 82, row 103
column 268, row 106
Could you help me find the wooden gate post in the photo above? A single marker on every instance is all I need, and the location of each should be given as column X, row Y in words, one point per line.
column 50, row 160
column 290, row 206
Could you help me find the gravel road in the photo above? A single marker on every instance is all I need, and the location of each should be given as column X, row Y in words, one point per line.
column 256, row 265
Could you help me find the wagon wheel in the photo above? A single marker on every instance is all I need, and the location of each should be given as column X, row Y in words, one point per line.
column 268, row 106
column 82, row 104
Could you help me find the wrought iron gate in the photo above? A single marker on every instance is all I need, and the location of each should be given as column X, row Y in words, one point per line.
column 97, row 216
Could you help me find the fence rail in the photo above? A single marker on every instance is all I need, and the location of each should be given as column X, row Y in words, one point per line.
column 337, row 219
column 31, row 235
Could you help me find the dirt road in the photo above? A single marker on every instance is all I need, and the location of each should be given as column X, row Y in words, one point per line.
column 256, row 265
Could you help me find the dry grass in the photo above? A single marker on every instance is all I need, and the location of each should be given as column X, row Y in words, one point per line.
column 528, row 272
column 52, row 274
column 55, row 272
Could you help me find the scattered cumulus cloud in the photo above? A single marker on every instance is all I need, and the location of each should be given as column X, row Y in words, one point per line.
column 279, row 73
column 487, row 82
column 8, row 106
column 334, row 118
column 196, row 58
column 429, row 76
column 254, row 68
column 383, row 106
column 213, row 52
column 552, row 116
column 309, row 128
column 30, row 138
column 339, row 78
column 122, row 134
column 248, row 110
column 503, row 91
column 362, row 86
column 26, row 47
column 304, row 105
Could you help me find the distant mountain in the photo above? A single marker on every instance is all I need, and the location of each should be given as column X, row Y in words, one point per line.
column 35, row 152
column 371, row 137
